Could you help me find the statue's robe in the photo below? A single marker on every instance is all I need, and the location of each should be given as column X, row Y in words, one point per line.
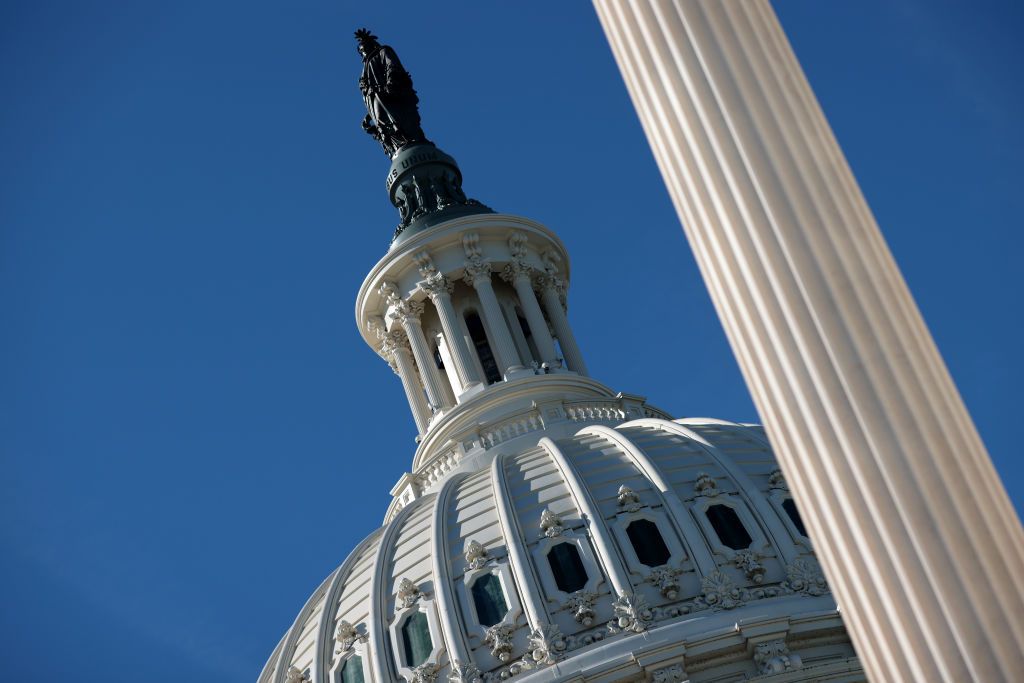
column 391, row 100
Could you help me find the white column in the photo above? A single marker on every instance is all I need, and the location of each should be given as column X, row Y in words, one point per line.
column 478, row 276
column 912, row 525
column 518, row 274
column 440, row 288
column 552, row 289
column 408, row 314
column 395, row 350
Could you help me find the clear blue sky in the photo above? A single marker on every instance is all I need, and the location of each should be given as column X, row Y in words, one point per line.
column 193, row 434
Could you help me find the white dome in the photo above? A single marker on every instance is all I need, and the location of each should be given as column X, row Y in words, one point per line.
column 598, row 541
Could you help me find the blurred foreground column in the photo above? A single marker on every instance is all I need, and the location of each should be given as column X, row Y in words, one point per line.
column 916, row 534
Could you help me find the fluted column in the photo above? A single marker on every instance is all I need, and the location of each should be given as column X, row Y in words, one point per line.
column 395, row 350
column 519, row 275
column 439, row 288
column 912, row 525
column 552, row 292
column 478, row 276
column 408, row 314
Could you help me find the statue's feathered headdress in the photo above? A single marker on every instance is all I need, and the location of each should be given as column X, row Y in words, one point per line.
column 364, row 36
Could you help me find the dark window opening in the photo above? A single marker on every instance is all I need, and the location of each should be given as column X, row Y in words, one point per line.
column 647, row 542
column 789, row 505
column 438, row 361
column 416, row 639
column 483, row 348
column 567, row 567
column 352, row 670
column 489, row 600
column 527, row 335
column 728, row 526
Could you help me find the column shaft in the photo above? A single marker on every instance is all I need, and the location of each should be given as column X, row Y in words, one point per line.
column 910, row 521
column 407, row 373
column 519, row 276
column 504, row 347
column 566, row 339
column 464, row 367
column 425, row 361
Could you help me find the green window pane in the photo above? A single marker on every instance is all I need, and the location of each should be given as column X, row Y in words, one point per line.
column 728, row 526
column 567, row 567
column 489, row 600
column 352, row 670
column 647, row 542
column 416, row 639
column 789, row 505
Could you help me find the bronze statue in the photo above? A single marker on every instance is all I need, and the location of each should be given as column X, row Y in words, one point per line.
column 392, row 118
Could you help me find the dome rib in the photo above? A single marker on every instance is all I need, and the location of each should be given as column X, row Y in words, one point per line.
column 754, row 497
column 453, row 630
column 327, row 617
column 608, row 558
column 696, row 545
column 522, row 570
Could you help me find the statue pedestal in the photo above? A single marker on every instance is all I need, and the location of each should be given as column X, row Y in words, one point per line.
column 425, row 185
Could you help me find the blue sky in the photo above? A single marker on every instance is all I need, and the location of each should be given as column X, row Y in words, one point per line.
column 192, row 432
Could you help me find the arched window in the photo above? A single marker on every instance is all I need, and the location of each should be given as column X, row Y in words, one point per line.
column 647, row 542
column 416, row 639
column 489, row 600
column 789, row 505
column 728, row 526
column 352, row 670
column 567, row 567
column 483, row 348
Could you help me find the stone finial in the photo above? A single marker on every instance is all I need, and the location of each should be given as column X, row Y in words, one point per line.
column 476, row 555
column 706, row 485
column 629, row 500
column 408, row 593
column 346, row 635
column 551, row 523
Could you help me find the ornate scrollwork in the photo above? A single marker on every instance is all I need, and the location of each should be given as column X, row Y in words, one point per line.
column 551, row 523
column 477, row 270
column 804, row 576
column 464, row 673
column 347, row 635
column 499, row 637
column 629, row 500
column 546, row 645
column 407, row 311
column 719, row 592
column 515, row 270
column 670, row 674
column 517, row 244
column 664, row 577
column 408, row 594
column 631, row 614
column 425, row 673
column 773, row 657
column 706, row 485
column 749, row 562
column 476, row 555
column 581, row 604
column 437, row 285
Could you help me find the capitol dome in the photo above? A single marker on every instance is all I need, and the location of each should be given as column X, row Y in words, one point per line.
column 549, row 528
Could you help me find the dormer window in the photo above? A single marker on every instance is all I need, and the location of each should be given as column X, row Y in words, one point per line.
column 352, row 670
column 647, row 543
column 567, row 567
column 789, row 505
column 728, row 526
column 416, row 641
column 489, row 600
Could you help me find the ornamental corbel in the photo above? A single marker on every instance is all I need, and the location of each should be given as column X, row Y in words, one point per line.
column 499, row 637
column 517, row 245
column 670, row 674
column 424, row 264
column 773, row 657
column 632, row 613
column 471, row 245
column 664, row 578
column 581, row 604
column 748, row 561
